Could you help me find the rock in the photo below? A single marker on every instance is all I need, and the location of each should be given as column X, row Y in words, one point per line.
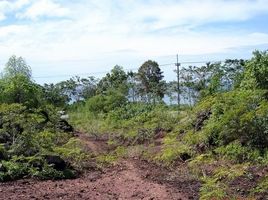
column 56, row 161
column 65, row 126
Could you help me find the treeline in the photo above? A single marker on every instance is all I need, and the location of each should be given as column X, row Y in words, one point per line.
column 146, row 85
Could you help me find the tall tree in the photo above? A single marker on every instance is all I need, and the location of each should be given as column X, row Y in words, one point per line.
column 132, row 86
column 16, row 85
column 17, row 66
column 151, row 83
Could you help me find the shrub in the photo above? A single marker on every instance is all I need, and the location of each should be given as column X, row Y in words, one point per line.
column 216, row 186
column 73, row 153
column 174, row 150
column 105, row 103
column 238, row 115
column 49, row 172
column 261, row 187
column 238, row 153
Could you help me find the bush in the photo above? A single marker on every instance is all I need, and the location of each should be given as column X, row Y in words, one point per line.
column 49, row 172
column 106, row 103
column 174, row 150
column 216, row 186
column 73, row 153
column 238, row 153
column 12, row 170
column 26, row 136
column 238, row 115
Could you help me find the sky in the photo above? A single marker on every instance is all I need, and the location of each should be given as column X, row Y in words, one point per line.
column 63, row 38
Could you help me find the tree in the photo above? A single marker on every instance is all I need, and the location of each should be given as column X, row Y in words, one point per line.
column 16, row 85
column 209, row 79
column 54, row 95
column 171, row 91
column 17, row 66
column 87, row 87
column 132, row 86
column 256, row 71
column 73, row 90
column 19, row 89
column 151, row 84
column 116, row 80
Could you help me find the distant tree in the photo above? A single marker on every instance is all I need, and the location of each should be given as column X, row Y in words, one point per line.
column 188, row 85
column 54, row 95
column 211, row 78
column 133, row 92
column 87, row 87
column 17, row 66
column 171, row 91
column 115, row 80
column 233, row 73
column 151, row 84
column 73, row 90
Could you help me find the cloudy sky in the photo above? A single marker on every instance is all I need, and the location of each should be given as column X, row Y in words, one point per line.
column 65, row 37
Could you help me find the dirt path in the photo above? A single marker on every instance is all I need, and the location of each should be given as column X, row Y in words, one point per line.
column 127, row 180
column 92, row 145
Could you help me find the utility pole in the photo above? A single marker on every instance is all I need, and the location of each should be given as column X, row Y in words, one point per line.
column 178, row 81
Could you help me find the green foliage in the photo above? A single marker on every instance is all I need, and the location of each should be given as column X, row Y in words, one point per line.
column 20, row 89
column 110, row 158
column 216, row 186
column 256, row 71
column 25, row 135
column 12, row 169
column 54, row 95
column 106, row 103
column 210, row 79
column 238, row 115
column 116, row 80
column 48, row 172
column 212, row 189
column 151, row 84
column 73, row 152
column 261, row 187
column 173, row 150
column 238, row 153
column 17, row 66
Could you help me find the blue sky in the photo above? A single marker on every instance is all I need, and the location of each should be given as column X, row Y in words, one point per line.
column 64, row 37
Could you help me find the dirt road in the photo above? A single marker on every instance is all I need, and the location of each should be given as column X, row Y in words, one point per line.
column 129, row 179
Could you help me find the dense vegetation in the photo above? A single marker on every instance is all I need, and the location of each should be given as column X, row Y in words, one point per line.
column 33, row 139
column 220, row 134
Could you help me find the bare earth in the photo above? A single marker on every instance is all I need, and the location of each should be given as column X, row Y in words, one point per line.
column 130, row 179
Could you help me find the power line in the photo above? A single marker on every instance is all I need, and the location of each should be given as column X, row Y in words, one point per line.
column 129, row 69
column 81, row 74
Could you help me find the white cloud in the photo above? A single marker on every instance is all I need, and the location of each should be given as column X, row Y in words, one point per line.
column 7, row 31
column 44, row 8
column 4, row 6
column 11, row 6
column 138, row 16
column 99, row 29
